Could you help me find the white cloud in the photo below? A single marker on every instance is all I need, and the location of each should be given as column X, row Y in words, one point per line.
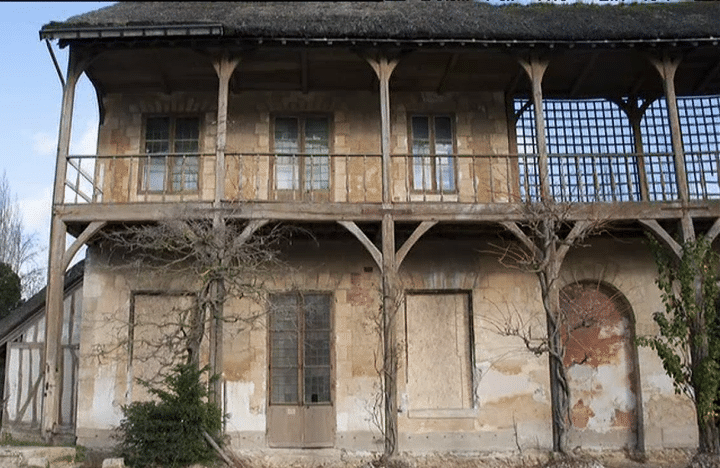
column 36, row 213
column 85, row 141
column 44, row 144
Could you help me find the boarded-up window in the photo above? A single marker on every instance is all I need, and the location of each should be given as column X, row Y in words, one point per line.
column 160, row 323
column 439, row 351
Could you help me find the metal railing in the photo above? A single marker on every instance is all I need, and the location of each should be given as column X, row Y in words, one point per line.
column 357, row 178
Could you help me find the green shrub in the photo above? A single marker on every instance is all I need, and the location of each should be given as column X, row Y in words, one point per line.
column 169, row 432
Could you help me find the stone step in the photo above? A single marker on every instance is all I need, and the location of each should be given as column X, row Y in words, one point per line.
column 38, row 457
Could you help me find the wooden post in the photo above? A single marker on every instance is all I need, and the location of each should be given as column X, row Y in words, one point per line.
column 224, row 67
column 383, row 69
column 667, row 68
column 635, row 114
column 390, row 308
column 56, row 271
column 535, row 69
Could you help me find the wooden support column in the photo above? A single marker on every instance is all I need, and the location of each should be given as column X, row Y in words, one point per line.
column 635, row 114
column 383, row 68
column 389, row 263
column 224, row 67
column 535, row 69
column 56, row 267
column 667, row 67
column 390, row 360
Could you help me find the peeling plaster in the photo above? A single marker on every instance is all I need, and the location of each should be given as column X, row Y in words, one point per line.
column 241, row 416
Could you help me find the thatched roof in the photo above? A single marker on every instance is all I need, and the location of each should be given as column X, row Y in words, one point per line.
column 407, row 20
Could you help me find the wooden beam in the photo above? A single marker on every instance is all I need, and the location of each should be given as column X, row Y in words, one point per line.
column 580, row 228
column 77, row 62
column 535, row 69
column 522, row 237
column 412, row 240
column 448, row 68
column 584, row 73
column 365, row 241
column 709, row 75
column 406, row 212
column 713, row 232
column 663, row 236
column 383, row 68
column 667, row 67
column 250, row 229
column 224, row 67
column 85, row 236
column 304, row 71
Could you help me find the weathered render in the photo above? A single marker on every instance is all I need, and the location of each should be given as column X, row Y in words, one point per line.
column 406, row 141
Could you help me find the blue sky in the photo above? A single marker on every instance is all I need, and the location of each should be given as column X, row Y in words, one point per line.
column 30, row 107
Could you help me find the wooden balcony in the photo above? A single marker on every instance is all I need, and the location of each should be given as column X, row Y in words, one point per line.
column 343, row 186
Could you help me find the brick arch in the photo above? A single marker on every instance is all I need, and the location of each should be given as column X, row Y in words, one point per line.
column 601, row 361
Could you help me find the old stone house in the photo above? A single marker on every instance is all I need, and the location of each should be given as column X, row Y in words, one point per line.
column 409, row 138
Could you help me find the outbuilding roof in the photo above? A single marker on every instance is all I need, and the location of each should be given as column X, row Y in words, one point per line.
column 398, row 20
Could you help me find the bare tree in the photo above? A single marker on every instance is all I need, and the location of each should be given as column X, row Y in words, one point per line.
column 545, row 237
column 18, row 249
column 226, row 258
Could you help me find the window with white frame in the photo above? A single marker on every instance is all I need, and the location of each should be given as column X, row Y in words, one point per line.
column 171, row 161
column 432, row 143
column 302, row 144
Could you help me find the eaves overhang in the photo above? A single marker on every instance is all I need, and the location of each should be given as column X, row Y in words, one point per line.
column 131, row 32
column 216, row 33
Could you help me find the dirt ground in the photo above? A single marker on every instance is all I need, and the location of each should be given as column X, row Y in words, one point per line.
column 578, row 459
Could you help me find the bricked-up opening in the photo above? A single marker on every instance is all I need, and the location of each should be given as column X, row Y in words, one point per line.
column 438, row 351
column 159, row 323
column 600, row 358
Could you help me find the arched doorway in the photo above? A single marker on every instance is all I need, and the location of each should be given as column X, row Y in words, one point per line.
column 601, row 362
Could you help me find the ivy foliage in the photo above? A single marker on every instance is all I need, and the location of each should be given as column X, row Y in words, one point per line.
column 688, row 341
column 170, row 432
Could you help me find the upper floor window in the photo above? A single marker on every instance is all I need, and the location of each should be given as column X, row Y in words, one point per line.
column 303, row 147
column 171, row 145
column 432, row 148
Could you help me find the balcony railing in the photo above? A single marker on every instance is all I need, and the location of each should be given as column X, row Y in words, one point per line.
column 337, row 178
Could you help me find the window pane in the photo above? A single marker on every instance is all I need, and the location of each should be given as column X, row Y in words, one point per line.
column 443, row 135
column 185, row 173
column 445, row 173
column 317, row 311
column 420, row 135
column 317, row 385
column 317, row 168
column 286, row 136
column 187, row 130
column 154, row 173
column 284, row 384
column 284, row 348
column 316, row 136
column 157, row 135
column 287, row 168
